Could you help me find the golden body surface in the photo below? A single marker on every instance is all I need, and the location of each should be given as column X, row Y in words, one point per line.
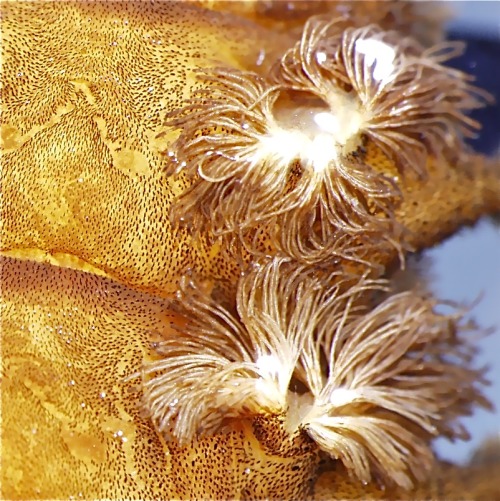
column 91, row 259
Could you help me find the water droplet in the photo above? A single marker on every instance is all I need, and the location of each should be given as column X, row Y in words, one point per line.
column 321, row 57
column 102, row 394
column 261, row 57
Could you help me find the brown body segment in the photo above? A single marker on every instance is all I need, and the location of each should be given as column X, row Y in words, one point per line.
column 72, row 420
column 84, row 149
